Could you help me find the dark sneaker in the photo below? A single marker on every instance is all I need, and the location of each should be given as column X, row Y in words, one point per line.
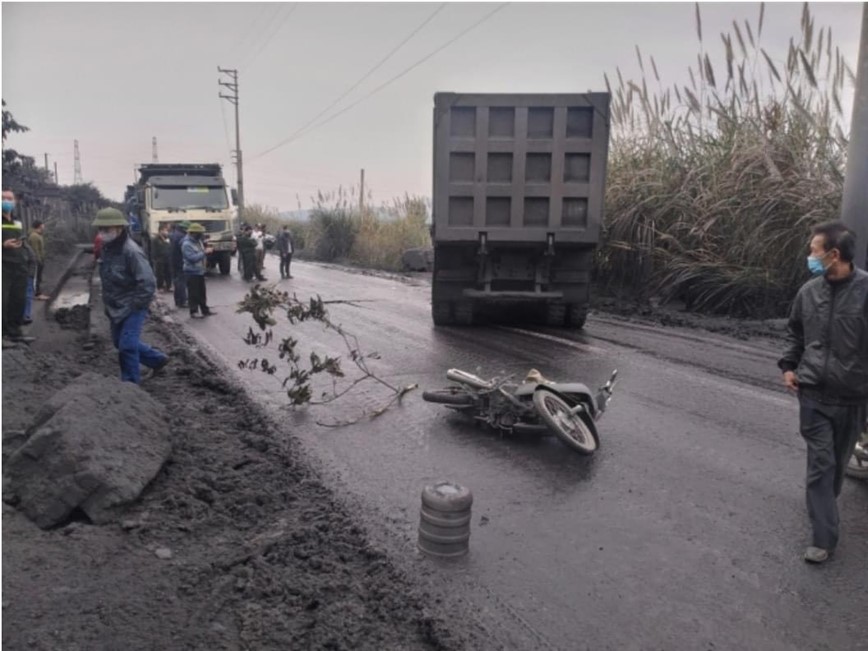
column 208, row 313
column 816, row 555
column 196, row 315
column 26, row 321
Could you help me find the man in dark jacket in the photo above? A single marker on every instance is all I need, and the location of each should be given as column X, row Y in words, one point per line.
column 177, row 258
column 285, row 248
column 161, row 250
column 128, row 286
column 826, row 363
column 15, row 273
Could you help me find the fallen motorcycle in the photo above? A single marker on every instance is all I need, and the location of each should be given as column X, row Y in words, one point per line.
column 536, row 406
column 858, row 465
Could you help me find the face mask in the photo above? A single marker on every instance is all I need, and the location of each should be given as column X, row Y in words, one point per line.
column 107, row 236
column 815, row 265
column 8, row 206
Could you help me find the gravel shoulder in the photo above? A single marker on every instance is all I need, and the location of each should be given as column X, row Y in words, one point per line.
column 237, row 543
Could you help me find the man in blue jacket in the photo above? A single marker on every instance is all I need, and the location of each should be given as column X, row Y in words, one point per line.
column 128, row 286
column 194, row 269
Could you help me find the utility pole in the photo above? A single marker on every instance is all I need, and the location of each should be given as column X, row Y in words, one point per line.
column 56, row 178
column 233, row 98
column 154, row 157
column 46, row 162
column 362, row 192
column 854, row 208
column 77, row 180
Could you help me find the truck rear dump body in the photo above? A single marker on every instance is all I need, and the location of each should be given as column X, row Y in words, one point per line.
column 518, row 203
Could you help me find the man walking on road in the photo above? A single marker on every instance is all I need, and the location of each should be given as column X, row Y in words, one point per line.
column 826, row 363
column 194, row 269
column 128, row 286
column 37, row 243
column 15, row 273
column 177, row 259
column 285, row 248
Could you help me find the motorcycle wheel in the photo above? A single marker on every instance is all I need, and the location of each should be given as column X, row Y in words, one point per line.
column 569, row 428
column 857, row 467
column 448, row 396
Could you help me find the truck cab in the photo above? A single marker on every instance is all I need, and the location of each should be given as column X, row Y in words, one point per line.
column 169, row 193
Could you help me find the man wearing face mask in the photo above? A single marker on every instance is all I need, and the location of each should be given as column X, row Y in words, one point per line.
column 128, row 286
column 15, row 273
column 826, row 364
column 194, row 269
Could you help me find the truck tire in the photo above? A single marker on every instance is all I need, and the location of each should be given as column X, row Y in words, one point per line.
column 441, row 313
column 556, row 315
column 578, row 314
column 225, row 264
column 464, row 313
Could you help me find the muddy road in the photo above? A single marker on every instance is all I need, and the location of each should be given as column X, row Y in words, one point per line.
column 685, row 531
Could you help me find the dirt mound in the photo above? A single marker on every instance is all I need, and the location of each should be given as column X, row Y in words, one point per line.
column 236, row 543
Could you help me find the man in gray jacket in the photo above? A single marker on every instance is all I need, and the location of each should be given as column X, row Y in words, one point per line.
column 826, row 363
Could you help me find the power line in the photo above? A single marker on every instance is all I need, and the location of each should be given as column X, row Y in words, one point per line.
column 382, row 86
column 365, row 76
column 274, row 32
column 248, row 31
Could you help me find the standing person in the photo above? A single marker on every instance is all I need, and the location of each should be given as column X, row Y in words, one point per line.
column 259, row 236
column 247, row 255
column 826, row 363
column 285, row 248
column 194, row 270
column 32, row 268
column 37, row 243
column 14, row 273
column 128, row 286
column 177, row 263
column 161, row 249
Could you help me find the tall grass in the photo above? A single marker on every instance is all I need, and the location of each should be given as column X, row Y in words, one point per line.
column 712, row 186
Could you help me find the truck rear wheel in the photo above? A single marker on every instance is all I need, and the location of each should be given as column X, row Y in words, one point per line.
column 578, row 314
column 441, row 312
column 556, row 315
column 225, row 264
column 464, row 313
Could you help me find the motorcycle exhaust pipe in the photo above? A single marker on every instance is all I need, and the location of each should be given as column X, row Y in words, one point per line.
column 469, row 379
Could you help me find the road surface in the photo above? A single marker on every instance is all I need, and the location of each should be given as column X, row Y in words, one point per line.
column 686, row 529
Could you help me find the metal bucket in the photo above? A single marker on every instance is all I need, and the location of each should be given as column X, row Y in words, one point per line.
column 444, row 523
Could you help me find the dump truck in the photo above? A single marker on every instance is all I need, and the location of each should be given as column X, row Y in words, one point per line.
column 174, row 192
column 517, row 204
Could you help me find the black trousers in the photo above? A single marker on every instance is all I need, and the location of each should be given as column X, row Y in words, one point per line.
column 14, row 298
column 196, row 296
column 831, row 432
column 163, row 272
column 39, row 269
column 285, row 261
column 249, row 266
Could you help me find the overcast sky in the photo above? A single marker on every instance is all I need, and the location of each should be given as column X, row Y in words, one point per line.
column 114, row 75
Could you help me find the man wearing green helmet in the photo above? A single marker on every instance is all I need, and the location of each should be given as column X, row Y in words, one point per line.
column 194, row 269
column 128, row 286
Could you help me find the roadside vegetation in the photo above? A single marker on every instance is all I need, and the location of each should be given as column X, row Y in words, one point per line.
column 340, row 230
column 66, row 210
column 712, row 187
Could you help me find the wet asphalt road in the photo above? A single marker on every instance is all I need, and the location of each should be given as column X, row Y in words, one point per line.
column 685, row 531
